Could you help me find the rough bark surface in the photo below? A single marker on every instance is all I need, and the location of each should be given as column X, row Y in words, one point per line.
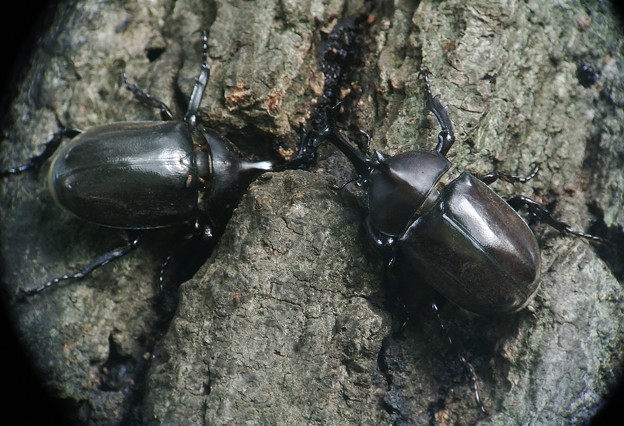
column 287, row 322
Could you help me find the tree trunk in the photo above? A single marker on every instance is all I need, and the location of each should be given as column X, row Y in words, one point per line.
column 289, row 321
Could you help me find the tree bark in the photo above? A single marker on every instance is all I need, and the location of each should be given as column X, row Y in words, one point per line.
column 289, row 322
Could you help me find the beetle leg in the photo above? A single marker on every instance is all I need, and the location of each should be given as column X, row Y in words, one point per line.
column 163, row 268
column 201, row 233
column 384, row 243
column 165, row 112
column 494, row 176
column 446, row 137
column 50, row 147
column 200, row 84
column 87, row 269
column 469, row 368
column 543, row 215
column 309, row 141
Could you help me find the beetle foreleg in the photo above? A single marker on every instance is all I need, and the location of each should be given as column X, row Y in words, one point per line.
column 86, row 270
column 384, row 243
column 543, row 215
column 446, row 137
column 144, row 98
column 50, row 148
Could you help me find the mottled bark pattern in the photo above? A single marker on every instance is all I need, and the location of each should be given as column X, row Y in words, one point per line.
column 287, row 323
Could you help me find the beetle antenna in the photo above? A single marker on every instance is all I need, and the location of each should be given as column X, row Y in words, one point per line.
column 200, row 84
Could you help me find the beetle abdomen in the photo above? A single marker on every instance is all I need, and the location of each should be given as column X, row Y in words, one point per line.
column 475, row 249
column 128, row 175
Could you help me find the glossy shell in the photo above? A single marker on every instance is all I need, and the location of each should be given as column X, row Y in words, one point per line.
column 397, row 192
column 474, row 249
column 134, row 175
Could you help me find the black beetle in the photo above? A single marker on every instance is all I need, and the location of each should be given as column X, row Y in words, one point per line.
column 469, row 244
column 147, row 174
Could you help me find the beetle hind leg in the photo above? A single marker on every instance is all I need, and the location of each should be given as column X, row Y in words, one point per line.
column 186, row 254
column 543, row 215
column 462, row 359
column 50, row 148
column 87, row 269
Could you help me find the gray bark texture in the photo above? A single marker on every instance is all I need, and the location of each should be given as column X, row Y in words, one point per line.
column 288, row 323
